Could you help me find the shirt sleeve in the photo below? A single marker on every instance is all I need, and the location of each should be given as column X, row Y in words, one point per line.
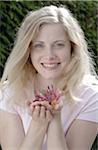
column 90, row 110
column 4, row 103
column 6, row 107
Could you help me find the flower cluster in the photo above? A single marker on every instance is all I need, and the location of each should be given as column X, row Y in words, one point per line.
column 53, row 96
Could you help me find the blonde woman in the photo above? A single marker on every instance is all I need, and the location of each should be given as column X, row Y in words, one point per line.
column 50, row 49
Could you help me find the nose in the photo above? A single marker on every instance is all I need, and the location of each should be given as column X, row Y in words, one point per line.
column 49, row 52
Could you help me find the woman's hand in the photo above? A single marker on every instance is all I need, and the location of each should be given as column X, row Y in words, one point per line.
column 48, row 106
column 40, row 111
column 41, row 116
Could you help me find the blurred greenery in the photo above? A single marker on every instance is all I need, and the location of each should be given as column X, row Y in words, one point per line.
column 13, row 12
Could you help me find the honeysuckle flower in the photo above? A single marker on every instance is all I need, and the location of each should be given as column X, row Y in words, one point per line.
column 53, row 96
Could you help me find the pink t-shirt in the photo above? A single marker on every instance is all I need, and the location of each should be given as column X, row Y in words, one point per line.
column 85, row 109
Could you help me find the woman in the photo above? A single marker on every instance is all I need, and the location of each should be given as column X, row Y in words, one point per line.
column 50, row 50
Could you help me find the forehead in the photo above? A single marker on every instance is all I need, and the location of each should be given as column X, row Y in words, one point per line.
column 51, row 32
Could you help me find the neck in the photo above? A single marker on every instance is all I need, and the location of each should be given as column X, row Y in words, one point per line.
column 41, row 83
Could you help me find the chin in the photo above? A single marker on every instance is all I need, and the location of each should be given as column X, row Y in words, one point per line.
column 51, row 76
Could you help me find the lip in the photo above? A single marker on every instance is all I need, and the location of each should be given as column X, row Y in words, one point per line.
column 50, row 63
column 50, row 66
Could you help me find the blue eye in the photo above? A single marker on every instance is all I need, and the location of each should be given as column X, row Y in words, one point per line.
column 59, row 45
column 38, row 46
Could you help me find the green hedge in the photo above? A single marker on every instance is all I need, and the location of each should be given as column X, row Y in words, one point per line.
column 12, row 14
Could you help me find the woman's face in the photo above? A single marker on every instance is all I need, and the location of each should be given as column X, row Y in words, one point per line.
column 51, row 51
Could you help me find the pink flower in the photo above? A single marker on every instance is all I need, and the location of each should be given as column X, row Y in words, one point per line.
column 53, row 96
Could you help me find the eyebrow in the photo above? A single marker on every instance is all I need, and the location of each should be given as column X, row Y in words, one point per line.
column 53, row 41
column 38, row 41
column 59, row 41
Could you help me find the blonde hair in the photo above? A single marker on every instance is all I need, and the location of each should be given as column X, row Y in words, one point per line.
column 19, row 68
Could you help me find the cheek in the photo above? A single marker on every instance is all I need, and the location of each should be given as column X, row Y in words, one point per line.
column 65, row 56
column 33, row 56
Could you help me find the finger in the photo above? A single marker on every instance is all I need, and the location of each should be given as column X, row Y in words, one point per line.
column 42, row 103
column 55, row 112
column 28, row 103
column 30, row 110
column 36, row 111
column 35, row 103
column 42, row 112
column 31, row 107
column 46, row 104
column 49, row 115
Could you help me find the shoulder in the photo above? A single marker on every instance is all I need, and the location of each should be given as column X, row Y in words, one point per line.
column 5, row 98
column 5, row 91
column 87, row 105
column 88, row 89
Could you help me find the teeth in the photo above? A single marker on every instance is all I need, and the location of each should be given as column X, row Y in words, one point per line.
column 50, row 65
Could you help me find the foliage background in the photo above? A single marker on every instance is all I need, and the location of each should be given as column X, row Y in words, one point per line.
column 13, row 12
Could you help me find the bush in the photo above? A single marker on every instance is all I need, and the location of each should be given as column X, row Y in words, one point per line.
column 12, row 14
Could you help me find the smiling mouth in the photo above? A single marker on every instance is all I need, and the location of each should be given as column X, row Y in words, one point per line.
column 50, row 65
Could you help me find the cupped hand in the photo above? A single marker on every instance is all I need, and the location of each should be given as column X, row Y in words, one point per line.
column 40, row 111
column 46, row 105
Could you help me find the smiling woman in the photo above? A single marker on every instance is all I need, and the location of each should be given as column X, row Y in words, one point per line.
column 51, row 51
column 49, row 88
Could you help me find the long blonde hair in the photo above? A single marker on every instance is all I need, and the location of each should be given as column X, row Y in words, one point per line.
column 19, row 68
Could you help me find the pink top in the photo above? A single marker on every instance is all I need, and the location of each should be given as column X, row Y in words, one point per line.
column 85, row 109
